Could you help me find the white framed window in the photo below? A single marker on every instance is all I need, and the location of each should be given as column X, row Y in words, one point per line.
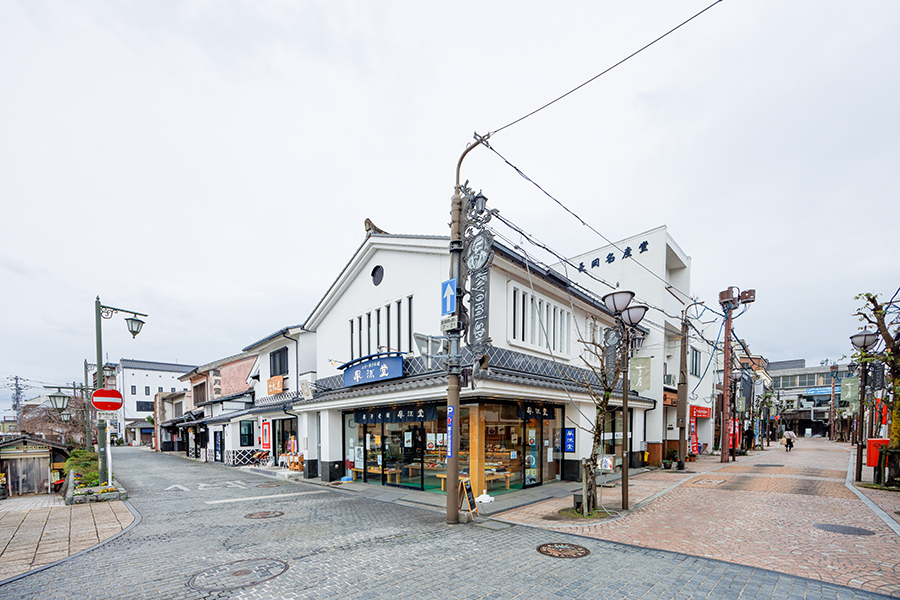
column 537, row 323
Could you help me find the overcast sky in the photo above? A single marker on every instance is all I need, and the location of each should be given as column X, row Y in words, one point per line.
column 212, row 163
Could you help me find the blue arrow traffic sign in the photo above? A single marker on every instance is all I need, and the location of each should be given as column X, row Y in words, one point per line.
column 448, row 297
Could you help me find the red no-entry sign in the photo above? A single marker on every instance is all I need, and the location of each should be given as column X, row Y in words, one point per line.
column 106, row 399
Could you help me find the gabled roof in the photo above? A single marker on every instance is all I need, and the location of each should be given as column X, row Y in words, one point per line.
column 232, row 397
column 15, row 441
column 279, row 333
column 215, row 365
column 433, row 244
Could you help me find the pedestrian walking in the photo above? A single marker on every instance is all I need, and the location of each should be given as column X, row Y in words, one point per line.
column 789, row 437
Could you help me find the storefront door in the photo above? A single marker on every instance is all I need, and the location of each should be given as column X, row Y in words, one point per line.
column 27, row 475
column 533, row 444
column 217, row 445
column 404, row 452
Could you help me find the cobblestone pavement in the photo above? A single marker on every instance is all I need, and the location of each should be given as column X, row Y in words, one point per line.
column 761, row 511
column 208, row 531
column 39, row 530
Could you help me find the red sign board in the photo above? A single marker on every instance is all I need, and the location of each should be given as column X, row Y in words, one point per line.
column 701, row 412
column 106, row 399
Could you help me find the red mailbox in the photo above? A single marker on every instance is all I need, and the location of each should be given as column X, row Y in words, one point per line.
column 872, row 446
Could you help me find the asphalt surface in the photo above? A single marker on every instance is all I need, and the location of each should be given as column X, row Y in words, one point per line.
column 195, row 540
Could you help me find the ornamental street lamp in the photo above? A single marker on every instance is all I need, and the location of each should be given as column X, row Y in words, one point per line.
column 628, row 318
column 60, row 402
column 864, row 340
column 134, row 327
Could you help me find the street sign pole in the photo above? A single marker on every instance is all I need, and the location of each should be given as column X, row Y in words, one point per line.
column 101, row 425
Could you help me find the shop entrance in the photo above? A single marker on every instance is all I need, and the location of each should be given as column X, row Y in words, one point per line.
column 534, row 435
column 404, row 452
column 28, row 475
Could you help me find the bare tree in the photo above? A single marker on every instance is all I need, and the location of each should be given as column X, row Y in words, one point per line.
column 883, row 316
column 605, row 360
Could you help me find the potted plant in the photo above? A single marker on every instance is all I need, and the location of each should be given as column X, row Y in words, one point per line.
column 667, row 464
column 691, row 457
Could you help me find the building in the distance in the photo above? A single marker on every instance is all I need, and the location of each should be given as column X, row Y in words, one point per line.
column 806, row 395
column 139, row 381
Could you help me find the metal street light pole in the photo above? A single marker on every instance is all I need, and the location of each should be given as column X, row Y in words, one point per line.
column 134, row 327
column 863, row 341
column 453, row 360
column 834, row 369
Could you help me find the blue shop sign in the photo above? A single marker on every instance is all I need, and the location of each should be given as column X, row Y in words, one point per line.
column 823, row 391
column 570, row 439
column 373, row 368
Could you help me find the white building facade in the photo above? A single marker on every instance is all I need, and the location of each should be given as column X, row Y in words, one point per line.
column 139, row 381
column 658, row 271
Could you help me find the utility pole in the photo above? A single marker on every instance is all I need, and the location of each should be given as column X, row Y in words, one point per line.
column 454, row 334
column 682, row 408
column 728, row 302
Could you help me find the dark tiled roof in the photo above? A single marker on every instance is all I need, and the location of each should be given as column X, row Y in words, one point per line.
column 270, row 337
column 247, row 392
column 506, row 366
column 224, row 418
column 147, row 365
column 14, row 441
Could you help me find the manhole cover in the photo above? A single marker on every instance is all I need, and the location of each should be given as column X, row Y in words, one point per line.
column 845, row 529
column 563, row 550
column 268, row 485
column 768, row 465
column 266, row 514
column 237, row 575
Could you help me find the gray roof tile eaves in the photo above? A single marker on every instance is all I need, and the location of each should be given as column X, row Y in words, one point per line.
column 147, row 365
column 271, row 337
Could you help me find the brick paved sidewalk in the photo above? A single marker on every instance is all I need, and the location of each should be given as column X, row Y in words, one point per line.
column 760, row 511
column 33, row 537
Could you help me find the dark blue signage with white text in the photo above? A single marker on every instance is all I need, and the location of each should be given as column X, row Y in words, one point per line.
column 373, row 370
column 570, row 439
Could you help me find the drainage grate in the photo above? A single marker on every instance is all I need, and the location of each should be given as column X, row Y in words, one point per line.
column 563, row 550
column 266, row 514
column 237, row 575
column 845, row 529
column 768, row 465
column 709, row 481
column 268, row 485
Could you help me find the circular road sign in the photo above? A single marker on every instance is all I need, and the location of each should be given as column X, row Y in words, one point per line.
column 106, row 399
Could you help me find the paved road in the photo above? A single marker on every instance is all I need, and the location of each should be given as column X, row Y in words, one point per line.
column 194, row 541
column 763, row 511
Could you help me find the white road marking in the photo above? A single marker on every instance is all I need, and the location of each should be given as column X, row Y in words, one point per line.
column 262, row 497
column 180, row 487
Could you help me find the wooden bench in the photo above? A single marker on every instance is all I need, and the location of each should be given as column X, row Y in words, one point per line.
column 377, row 471
column 491, row 476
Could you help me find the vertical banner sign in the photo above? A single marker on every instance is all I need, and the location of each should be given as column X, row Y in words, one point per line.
column 639, row 374
column 570, row 439
column 449, row 432
column 695, row 445
column 266, row 435
column 479, row 255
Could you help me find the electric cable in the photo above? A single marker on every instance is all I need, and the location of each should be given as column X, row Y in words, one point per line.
column 633, row 54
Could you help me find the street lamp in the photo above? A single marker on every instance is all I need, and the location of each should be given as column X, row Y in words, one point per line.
column 865, row 340
column 628, row 318
column 134, row 327
column 59, row 401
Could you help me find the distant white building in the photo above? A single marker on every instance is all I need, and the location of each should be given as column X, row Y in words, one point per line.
column 139, row 381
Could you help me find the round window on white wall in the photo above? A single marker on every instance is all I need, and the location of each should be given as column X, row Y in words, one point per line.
column 377, row 275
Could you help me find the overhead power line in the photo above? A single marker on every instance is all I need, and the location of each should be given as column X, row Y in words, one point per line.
column 632, row 55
